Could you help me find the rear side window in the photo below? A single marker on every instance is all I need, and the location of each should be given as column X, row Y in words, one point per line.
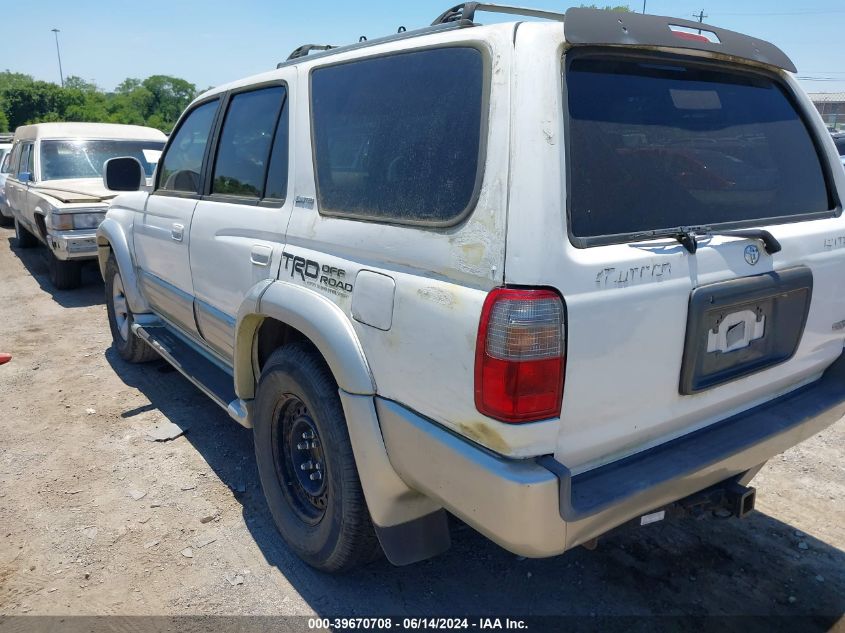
column 244, row 150
column 656, row 145
column 14, row 160
column 182, row 162
column 398, row 138
column 26, row 156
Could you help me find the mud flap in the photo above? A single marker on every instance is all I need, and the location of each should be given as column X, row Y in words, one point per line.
column 416, row 540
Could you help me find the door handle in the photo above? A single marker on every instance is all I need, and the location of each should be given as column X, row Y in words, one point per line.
column 177, row 232
column 261, row 255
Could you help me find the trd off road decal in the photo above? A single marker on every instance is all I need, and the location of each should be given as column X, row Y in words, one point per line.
column 325, row 277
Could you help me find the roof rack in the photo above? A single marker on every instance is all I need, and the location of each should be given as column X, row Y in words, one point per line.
column 466, row 11
column 594, row 27
column 303, row 50
column 401, row 34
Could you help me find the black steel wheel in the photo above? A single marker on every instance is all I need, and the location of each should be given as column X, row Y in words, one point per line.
column 306, row 465
column 299, row 460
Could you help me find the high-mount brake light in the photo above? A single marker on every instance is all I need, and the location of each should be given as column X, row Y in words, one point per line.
column 520, row 355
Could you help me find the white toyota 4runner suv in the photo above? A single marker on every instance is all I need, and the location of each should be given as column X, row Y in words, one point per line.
column 552, row 277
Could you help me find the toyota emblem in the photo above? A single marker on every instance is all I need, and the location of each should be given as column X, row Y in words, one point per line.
column 752, row 254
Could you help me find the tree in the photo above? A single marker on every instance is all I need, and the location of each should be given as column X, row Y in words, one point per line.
column 170, row 96
column 127, row 85
column 30, row 103
column 78, row 83
column 156, row 101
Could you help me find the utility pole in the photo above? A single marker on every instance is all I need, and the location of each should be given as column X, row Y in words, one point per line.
column 643, row 7
column 59, row 55
column 700, row 15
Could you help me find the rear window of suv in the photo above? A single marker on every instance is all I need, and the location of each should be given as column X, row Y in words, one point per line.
column 657, row 144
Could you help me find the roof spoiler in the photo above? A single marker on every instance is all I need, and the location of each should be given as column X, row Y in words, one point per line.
column 612, row 28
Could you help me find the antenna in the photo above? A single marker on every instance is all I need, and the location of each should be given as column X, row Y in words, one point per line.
column 700, row 15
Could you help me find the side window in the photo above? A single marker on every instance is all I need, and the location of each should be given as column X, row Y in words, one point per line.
column 7, row 160
column 398, row 138
column 14, row 161
column 26, row 152
column 277, row 174
column 181, row 165
column 240, row 166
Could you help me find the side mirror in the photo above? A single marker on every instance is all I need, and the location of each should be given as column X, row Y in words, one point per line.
column 123, row 174
column 25, row 176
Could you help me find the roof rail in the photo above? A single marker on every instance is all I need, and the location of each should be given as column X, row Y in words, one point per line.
column 466, row 11
column 303, row 50
column 324, row 50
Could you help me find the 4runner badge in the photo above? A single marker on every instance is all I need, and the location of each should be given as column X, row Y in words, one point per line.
column 752, row 254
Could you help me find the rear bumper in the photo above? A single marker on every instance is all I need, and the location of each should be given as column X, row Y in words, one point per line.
column 74, row 244
column 537, row 508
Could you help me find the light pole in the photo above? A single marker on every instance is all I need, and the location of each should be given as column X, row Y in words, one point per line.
column 59, row 55
column 643, row 7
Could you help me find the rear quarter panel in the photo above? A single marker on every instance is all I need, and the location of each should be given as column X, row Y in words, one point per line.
column 425, row 359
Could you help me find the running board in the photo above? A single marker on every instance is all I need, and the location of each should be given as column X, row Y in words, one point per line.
column 211, row 379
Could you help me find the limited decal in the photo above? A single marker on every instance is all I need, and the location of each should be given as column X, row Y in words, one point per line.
column 330, row 278
column 834, row 242
column 621, row 277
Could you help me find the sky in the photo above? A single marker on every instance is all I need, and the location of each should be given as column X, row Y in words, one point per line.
column 212, row 42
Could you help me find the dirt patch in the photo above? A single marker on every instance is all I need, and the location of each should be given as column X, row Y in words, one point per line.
column 95, row 516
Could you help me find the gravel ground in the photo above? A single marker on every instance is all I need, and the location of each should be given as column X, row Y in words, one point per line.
column 96, row 518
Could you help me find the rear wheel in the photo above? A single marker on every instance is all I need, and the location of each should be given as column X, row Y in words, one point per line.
column 24, row 238
column 5, row 221
column 128, row 345
column 306, row 464
column 64, row 275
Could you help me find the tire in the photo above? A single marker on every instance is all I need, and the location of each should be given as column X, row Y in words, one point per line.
column 24, row 238
column 64, row 275
column 326, row 523
column 127, row 344
column 6, row 221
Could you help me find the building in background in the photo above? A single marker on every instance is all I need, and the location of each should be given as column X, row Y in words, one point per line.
column 831, row 105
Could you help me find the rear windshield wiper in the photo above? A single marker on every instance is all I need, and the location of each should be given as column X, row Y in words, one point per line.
column 683, row 234
column 687, row 235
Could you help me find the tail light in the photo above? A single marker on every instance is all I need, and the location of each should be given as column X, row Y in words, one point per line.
column 520, row 354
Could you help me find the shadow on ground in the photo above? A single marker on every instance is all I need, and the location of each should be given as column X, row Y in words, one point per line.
column 35, row 260
column 684, row 568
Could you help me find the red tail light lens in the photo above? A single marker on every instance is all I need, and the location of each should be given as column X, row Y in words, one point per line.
column 519, row 356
